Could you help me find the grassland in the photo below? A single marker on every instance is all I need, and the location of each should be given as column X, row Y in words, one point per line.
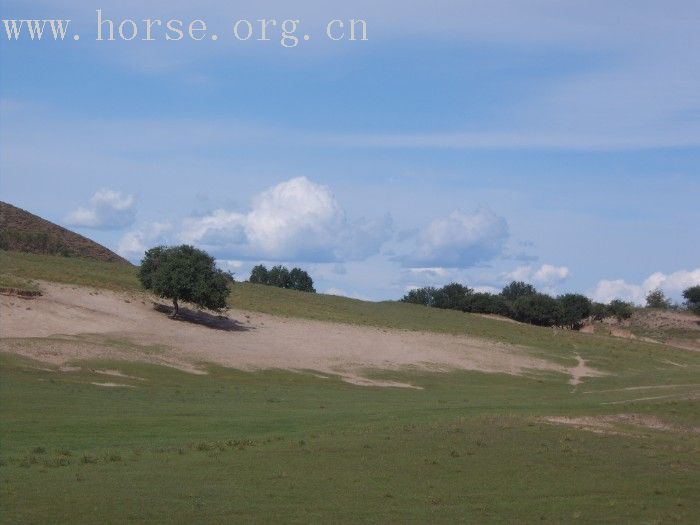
column 235, row 446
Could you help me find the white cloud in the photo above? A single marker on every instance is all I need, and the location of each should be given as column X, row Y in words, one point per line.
column 134, row 243
column 108, row 210
column 672, row 285
column 547, row 275
column 296, row 220
column 459, row 240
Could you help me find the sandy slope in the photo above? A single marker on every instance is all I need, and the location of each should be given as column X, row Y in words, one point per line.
column 89, row 321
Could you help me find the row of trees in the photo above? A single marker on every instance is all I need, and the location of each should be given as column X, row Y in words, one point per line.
column 294, row 279
column 520, row 301
column 657, row 299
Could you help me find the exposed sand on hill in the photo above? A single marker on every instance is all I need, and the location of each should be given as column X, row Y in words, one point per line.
column 71, row 323
column 618, row 424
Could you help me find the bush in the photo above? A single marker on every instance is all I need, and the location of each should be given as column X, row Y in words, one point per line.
column 296, row 279
column 538, row 309
column 486, row 303
column 620, row 310
column 574, row 308
column 184, row 273
column 657, row 299
column 451, row 296
column 692, row 298
column 424, row 296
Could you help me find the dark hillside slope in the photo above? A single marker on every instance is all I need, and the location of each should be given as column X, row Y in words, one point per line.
column 22, row 231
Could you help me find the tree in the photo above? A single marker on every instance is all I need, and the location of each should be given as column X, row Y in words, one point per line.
column 574, row 309
column 279, row 276
column 620, row 310
column 184, row 273
column 692, row 298
column 657, row 299
column 424, row 296
column 300, row 280
column 599, row 311
column 486, row 303
column 539, row 309
column 452, row 296
column 259, row 275
column 517, row 289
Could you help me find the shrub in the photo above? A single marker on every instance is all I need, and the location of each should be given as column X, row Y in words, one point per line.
column 424, row 296
column 538, row 309
column 620, row 310
column 184, row 273
column 574, row 308
column 296, row 279
column 486, row 303
column 451, row 296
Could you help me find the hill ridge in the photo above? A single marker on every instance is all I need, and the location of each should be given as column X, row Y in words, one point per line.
column 23, row 231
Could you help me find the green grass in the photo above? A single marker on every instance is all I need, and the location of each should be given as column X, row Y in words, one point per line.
column 69, row 270
column 278, row 446
column 235, row 446
column 277, row 301
column 17, row 283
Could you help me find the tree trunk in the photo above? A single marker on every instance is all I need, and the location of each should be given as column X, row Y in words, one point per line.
column 176, row 309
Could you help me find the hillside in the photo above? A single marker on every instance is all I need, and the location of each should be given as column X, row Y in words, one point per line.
column 22, row 231
column 311, row 407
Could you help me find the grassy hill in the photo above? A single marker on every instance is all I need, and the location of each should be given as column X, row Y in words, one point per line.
column 25, row 232
column 277, row 445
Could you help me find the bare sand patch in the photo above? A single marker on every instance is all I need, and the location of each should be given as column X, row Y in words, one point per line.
column 112, row 385
column 581, row 371
column 116, row 373
column 618, row 424
column 73, row 323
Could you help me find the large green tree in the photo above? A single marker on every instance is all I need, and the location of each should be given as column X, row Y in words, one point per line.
column 517, row 289
column 574, row 309
column 184, row 273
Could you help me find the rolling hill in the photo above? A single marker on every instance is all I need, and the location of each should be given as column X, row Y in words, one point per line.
column 22, row 231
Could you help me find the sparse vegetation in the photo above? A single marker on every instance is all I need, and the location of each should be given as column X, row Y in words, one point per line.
column 327, row 450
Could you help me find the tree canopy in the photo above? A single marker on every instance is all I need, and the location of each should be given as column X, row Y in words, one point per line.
column 692, row 298
column 184, row 273
column 296, row 279
column 657, row 299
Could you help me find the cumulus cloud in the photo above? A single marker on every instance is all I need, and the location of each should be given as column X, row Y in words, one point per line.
column 296, row 220
column 672, row 284
column 459, row 240
column 107, row 210
column 547, row 275
column 134, row 243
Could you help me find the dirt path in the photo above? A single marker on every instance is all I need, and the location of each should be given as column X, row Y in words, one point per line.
column 85, row 320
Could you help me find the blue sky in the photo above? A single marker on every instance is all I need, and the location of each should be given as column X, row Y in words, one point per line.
column 555, row 142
